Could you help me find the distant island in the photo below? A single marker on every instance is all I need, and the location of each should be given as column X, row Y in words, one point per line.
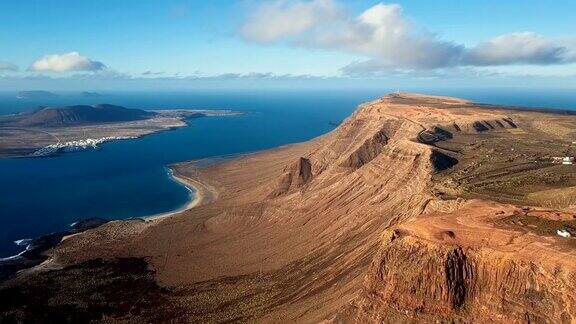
column 52, row 130
column 36, row 94
column 90, row 94
column 75, row 115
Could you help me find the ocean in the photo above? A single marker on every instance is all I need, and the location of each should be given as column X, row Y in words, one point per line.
column 129, row 178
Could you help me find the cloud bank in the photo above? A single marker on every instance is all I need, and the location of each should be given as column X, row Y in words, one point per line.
column 67, row 62
column 391, row 41
column 520, row 48
column 8, row 67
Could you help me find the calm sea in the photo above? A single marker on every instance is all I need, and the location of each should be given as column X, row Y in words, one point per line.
column 129, row 178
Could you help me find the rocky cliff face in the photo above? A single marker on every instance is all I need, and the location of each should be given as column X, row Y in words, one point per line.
column 437, row 269
column 294, row 177
column 445, row 261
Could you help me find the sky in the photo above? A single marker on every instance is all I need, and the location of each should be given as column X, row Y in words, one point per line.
column 178, row 44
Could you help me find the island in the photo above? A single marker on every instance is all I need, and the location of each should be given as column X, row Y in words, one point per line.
column 414, row 209
column 88, row 94
column 52, row 130
column 36, row 95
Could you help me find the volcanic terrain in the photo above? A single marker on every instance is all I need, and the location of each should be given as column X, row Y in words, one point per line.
column 416, row 208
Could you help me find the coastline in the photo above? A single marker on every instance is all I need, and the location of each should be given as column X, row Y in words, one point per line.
column 33, row 254
column 199, row 193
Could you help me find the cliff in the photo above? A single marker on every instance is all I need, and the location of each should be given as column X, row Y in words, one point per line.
column 463, row 266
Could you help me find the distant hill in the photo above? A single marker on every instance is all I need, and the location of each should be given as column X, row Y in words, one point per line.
column 36, row 94
column 74, row 115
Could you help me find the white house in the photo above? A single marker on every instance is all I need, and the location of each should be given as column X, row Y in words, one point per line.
column 563, row 233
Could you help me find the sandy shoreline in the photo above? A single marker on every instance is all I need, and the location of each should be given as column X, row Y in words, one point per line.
column 195, row 195
column 199, row 191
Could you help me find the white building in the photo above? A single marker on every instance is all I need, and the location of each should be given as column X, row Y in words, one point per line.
column 567, row 160
column 563, row 233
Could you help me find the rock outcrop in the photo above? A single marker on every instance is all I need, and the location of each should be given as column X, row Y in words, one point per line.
column 461, row 266
column 371, row 148
column 294, row 177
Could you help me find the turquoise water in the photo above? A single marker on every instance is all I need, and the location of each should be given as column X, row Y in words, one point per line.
column 129, row 179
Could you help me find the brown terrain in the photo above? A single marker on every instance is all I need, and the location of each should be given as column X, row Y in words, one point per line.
column 415, row 209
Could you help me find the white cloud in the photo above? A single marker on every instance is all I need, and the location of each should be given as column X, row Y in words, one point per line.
column 275, row 20
column 373, row 69
column 383, row 33
column 110, row 75
column 72, row 61
column 519, row 48
column 6, row 66
column 388, row 40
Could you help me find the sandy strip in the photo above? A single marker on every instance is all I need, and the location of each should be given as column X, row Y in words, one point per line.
column 202, row 194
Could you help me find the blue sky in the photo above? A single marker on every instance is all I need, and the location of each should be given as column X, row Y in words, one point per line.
column 180, row 44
